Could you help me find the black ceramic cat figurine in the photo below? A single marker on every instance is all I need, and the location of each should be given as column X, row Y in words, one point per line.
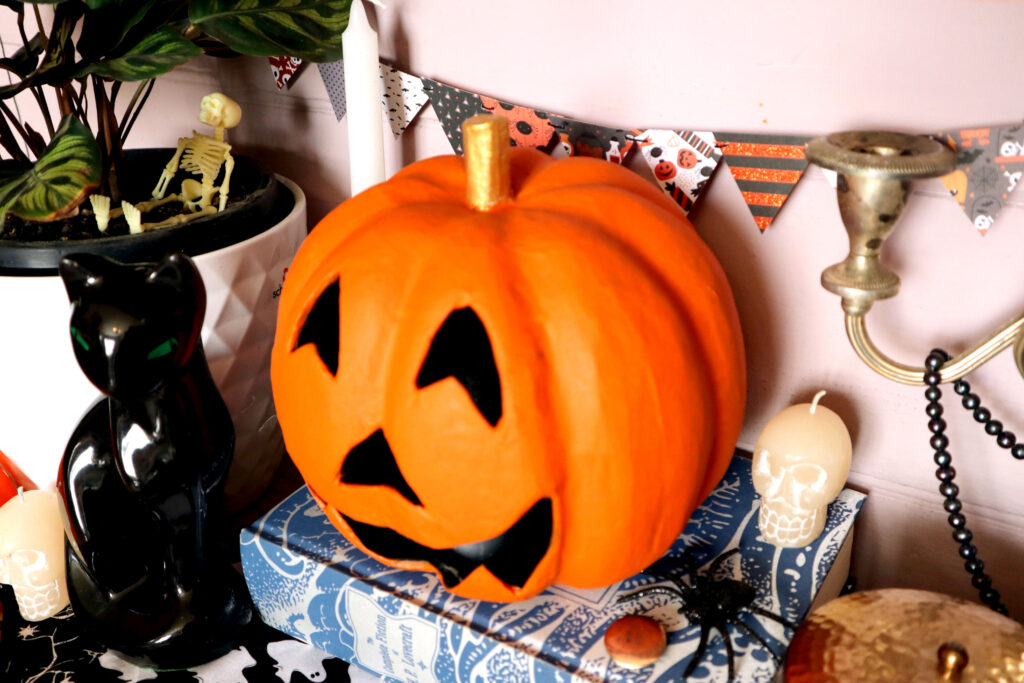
column 143, row 474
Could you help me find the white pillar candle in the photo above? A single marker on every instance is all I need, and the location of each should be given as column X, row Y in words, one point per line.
column 32, row 553
column 801, row 462
column 363, row 101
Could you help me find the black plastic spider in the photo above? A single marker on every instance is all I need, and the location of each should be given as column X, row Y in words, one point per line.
column 713, row 604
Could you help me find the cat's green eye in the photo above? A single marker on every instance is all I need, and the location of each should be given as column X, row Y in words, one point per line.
column 79, row 339
column 163, row 349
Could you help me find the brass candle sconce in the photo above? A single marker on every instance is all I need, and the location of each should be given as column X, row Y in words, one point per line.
column 876, row 171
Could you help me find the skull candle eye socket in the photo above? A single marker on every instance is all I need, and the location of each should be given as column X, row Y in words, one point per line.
column 809, row 475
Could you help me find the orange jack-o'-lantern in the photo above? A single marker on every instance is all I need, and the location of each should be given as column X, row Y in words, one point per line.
column 534, row 385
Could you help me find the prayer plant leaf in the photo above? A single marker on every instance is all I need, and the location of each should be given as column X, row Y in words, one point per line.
column 26, row 59
column 65, row 174
column 154, row 55
column 310, row 30
column 107, row 24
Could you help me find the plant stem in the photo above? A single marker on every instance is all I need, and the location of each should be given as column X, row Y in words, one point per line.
column 109, row 141
column 21, row 130
column 21, row 26
column 39, row 25
column 37, row 92
column 10, row 143
column 134, row 108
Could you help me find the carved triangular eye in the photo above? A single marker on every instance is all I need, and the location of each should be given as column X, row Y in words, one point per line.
column 322, row 327
column 462, row 349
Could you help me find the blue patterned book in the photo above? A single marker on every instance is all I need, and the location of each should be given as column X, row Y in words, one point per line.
column 311, row 583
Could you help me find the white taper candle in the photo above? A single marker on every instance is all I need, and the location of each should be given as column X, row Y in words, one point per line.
column 363, row 101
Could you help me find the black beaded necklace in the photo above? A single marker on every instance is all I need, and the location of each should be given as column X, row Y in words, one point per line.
column 945, row 473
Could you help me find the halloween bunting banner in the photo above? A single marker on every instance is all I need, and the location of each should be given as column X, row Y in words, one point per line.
column 404, row 98
column 283, row 69
column 989, row 164
column 682, row 163
column 766, row 167
column 333, row 75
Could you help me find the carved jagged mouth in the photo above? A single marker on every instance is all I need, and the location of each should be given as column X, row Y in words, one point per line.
column 511, row 557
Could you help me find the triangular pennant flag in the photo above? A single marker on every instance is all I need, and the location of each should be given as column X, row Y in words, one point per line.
column 333, row 74
column 452, row 106
column 578, row 138
column 284, row 69
column 989, row 164
column 682, row 163
column 403, row 98
column 766, row 168
column 527, row 127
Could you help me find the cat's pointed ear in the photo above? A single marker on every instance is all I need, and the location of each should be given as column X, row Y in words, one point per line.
column 78, row 275
column 175, row 269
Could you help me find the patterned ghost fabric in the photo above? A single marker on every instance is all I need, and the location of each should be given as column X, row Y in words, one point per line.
column 55, row 650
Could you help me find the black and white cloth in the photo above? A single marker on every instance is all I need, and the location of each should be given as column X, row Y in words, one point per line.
column 53, row 651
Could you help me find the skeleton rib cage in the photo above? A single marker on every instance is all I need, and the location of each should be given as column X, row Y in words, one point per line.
column 204, row 156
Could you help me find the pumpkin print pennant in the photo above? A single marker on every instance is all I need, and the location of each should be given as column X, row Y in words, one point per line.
column 989, row 164
column 682, row 163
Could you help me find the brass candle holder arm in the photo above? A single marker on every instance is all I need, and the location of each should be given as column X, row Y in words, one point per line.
column 875, row 173
column 969, row 360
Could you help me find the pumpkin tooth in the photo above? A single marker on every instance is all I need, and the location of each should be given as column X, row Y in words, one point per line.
column 511, row 556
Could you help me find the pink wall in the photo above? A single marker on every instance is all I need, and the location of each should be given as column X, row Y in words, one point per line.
column 744, row 65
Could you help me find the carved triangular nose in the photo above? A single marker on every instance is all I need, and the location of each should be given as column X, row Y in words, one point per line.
column 372, row 463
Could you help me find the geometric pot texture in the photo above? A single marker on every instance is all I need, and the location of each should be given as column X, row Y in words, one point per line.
column 242, row 254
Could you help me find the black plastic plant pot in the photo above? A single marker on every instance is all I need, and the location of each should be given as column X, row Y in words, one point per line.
column 265, row 203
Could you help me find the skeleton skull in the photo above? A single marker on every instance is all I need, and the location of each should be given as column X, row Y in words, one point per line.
column 32, row 553
column 220, row 111
column 801, row 461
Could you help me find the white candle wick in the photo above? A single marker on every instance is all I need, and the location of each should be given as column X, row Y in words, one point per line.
column 21, row 494
column 817, row 397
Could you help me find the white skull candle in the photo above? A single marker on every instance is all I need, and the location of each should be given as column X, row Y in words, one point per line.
column 32, row 553
column 801, row 461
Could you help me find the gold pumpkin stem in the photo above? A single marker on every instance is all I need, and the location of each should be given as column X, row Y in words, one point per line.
column 485, row 139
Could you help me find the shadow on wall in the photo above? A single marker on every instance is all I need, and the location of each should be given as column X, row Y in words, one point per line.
column 720, row 225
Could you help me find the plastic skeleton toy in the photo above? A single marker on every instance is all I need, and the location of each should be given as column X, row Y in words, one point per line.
column 203, row 155
column 200, row 155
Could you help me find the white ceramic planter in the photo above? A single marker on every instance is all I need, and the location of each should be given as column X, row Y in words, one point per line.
column 43, row 393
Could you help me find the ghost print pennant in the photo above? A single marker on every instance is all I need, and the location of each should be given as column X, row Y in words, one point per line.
column 989, row 164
